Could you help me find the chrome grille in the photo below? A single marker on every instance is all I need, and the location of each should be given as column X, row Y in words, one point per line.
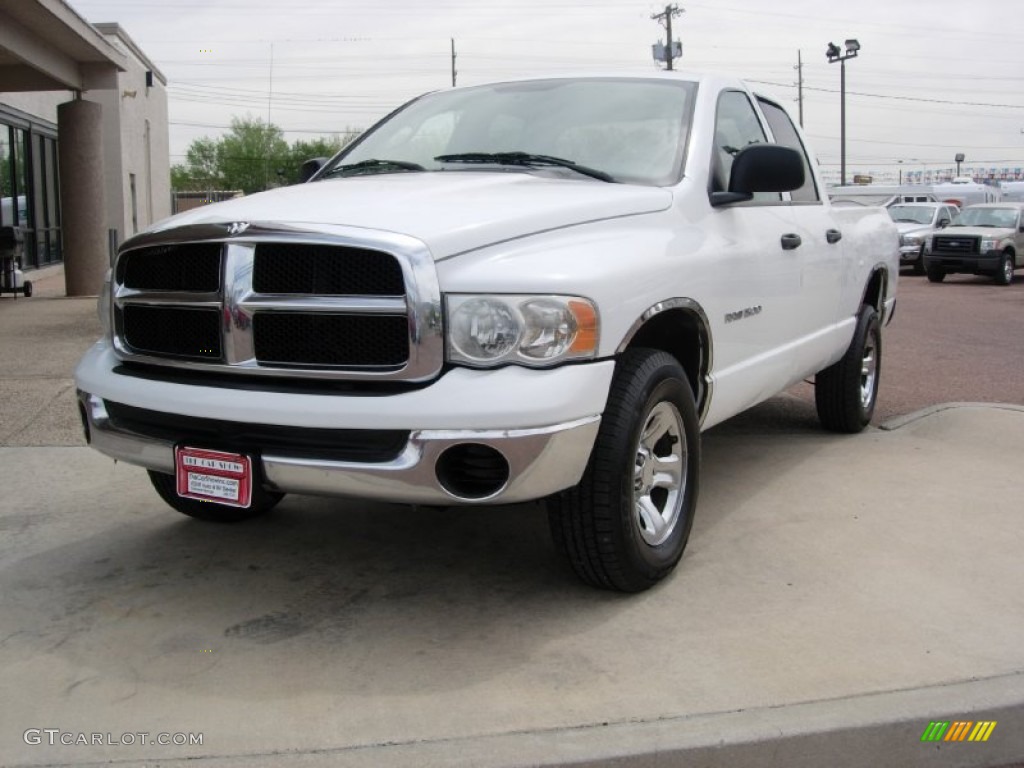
column 318, row 271
column 172, row 331
column 336, row 305
column 192, row 267
column 289, row 338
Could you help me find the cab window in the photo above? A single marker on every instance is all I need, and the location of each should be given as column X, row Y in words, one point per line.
column 786, row 135
column 736, row 126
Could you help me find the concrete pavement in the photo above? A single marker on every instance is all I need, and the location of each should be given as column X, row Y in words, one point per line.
column 838, row 594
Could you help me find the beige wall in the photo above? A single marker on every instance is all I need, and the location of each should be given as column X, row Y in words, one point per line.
column 41, row 104
column 136, row 141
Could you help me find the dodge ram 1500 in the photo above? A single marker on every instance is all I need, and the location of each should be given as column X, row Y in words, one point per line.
column 537, row 289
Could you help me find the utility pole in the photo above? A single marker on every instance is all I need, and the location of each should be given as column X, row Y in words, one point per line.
column 665, row 19
column 266, row 135
column 800, row 86
column 453, row 62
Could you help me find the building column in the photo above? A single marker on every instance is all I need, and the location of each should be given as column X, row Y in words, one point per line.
column 82, row 199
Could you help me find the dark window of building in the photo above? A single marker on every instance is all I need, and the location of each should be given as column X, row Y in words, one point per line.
column 6, row 178
column 135, row 204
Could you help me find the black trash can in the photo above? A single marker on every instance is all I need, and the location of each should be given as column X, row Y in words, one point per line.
column 12, row 248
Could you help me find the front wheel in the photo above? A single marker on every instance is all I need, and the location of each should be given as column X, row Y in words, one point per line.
column 845, row 393
column 1005, row 274
column 625, row 526
column 935, row 274
column 166, row 487
column 919, row 263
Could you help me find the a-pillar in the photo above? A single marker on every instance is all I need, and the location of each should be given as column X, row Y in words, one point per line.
column 82, row 201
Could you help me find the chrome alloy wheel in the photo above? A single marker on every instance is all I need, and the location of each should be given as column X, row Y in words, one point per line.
column 659, row 474
column 868, row 372
column 1007, row 270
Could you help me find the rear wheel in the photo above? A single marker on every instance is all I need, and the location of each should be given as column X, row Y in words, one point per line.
column 625, row 526
column 262, row 501
column 1005, row 274
column 845, row 393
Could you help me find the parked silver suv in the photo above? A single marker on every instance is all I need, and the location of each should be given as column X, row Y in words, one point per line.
column 916, row 223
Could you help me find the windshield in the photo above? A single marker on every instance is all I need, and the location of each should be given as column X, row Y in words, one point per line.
column 916, row 214
column 633, row 130
column 987, row 217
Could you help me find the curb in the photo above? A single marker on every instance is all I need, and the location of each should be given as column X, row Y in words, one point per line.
column 897, row 422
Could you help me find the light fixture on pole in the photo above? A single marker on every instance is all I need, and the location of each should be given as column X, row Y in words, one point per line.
column 958, row 159
column 834, row 54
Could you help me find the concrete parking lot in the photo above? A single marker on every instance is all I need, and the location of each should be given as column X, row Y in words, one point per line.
column 838, row 595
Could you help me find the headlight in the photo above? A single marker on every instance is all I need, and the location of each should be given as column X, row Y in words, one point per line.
column 485, row 331
column 103, row 304
column 911, row 240
column 989, row 244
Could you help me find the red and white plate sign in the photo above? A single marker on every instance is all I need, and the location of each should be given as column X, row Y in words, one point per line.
column 213, row 476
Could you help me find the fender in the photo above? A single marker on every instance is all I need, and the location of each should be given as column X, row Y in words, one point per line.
column 699, row 368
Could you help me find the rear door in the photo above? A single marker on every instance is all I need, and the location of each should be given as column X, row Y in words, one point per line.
column 822, row 265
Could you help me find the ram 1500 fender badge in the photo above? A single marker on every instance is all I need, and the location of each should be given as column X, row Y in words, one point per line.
column 742, row 313
column 237, row 227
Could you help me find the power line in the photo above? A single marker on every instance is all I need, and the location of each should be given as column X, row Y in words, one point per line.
column 895, row 97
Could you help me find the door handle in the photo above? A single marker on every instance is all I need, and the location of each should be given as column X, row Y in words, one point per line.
column 833, row 235
column 789, row 242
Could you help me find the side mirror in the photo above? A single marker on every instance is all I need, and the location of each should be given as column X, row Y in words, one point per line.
column 309, row 168
column 943, row 223
column 762, row 168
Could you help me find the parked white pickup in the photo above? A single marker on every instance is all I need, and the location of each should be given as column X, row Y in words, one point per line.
column 524, row 290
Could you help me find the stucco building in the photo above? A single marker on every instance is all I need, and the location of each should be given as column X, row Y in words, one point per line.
column 84, row 159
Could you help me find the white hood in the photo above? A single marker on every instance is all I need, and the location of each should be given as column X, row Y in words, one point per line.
column 451, row 211
column 909, row 227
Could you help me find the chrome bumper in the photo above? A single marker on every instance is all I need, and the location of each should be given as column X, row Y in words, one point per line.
column 541, row 461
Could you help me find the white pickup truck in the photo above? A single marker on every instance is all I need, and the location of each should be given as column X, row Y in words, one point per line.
column 540, row 289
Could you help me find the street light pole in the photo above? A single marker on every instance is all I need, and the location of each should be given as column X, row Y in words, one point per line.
column 834, row 54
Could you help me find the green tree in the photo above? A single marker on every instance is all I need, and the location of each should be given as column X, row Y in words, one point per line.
column 250, row 154
column 203, row 158
column 322, row 146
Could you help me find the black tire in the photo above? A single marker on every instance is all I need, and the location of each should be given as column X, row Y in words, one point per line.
column 845, row 393
column 262, row 502
column 935, row 274
column 919, row 263
column 606, row 526
column 1005, row 274
column 27, row 288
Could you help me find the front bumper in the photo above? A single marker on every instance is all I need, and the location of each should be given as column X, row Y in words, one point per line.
column 541, row 423
column 909, row 254
column 976, row 264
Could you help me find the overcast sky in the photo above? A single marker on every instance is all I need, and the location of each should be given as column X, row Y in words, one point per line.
column 932, row 79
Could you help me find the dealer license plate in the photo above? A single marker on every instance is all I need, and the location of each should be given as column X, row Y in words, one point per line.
column 225, row 478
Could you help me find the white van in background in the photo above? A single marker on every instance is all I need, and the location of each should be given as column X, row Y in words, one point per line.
column 964, row 191
column 1013, row 191
column 882, row 194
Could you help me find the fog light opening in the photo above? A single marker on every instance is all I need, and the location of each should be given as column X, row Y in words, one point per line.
column 472, row 471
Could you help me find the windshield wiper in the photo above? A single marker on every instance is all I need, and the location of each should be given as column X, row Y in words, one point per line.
column 524, row 159
column 373, row 166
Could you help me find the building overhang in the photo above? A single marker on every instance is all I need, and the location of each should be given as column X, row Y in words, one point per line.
column 46, row 46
